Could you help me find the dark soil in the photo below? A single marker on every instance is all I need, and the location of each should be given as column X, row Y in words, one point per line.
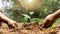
column 29, row 29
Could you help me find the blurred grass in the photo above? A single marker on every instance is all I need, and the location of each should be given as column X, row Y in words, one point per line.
column 58, row 20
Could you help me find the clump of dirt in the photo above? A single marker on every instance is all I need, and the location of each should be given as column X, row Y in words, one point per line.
column 29, row 29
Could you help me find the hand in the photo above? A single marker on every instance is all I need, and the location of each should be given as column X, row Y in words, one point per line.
column 12, row 24
column 48, row 21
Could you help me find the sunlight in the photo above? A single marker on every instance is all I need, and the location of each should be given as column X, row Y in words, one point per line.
column 0, row 4
column 31, row 4
column 30, row 1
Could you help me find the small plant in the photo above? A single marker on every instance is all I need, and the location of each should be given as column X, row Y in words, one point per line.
column 26, row 17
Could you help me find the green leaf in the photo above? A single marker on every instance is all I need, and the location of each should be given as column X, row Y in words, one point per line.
column 53, row 26
column 26, row 17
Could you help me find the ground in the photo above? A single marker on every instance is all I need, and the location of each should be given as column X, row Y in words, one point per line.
column 29, row 29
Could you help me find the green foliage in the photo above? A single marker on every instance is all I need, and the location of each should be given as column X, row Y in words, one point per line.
column 35, row 20
column 58, row 20
column 32, row 20
column 26, row 17
column 53, row 26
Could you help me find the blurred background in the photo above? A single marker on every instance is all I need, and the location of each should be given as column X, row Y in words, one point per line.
column 29, row 10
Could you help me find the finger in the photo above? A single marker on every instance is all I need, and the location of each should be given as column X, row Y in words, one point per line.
column 11, row 26
column 16, row 25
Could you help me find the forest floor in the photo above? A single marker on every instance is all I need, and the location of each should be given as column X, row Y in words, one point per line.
column 29, row 29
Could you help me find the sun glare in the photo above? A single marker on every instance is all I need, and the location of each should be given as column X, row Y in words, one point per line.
column 30, row 1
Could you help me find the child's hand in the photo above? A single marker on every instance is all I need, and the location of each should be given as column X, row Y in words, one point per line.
column 47, row 22
column 50, row 19
column 12, row 24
